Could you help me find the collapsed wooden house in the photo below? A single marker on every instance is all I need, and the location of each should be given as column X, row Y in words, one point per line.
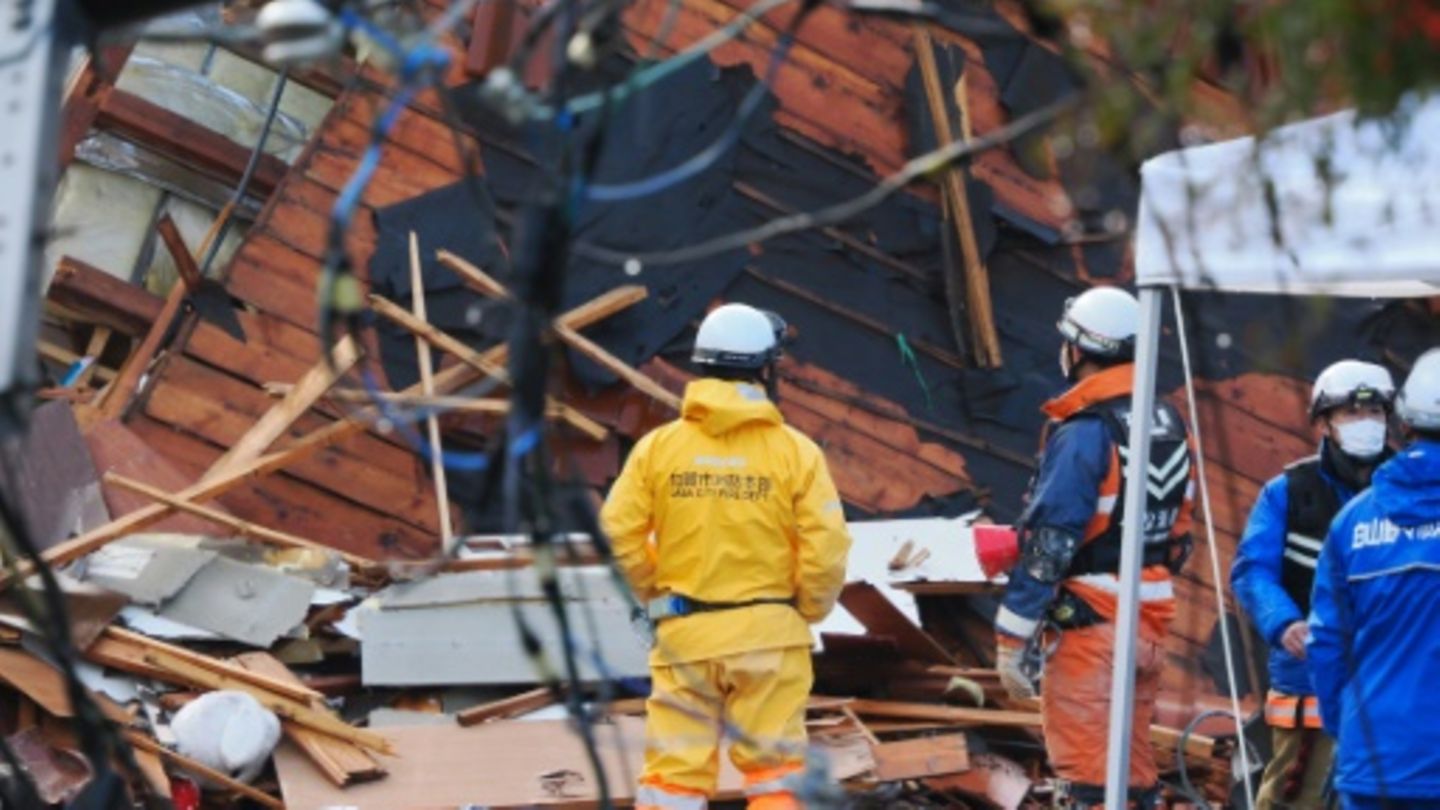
column 922, row 330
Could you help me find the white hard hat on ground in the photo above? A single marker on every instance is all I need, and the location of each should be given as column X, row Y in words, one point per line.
column 1351, row 382
column 738, row 336
column 1102, row 322
column 1419, row 404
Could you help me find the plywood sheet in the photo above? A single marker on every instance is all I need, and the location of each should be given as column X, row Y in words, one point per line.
column 500, row 765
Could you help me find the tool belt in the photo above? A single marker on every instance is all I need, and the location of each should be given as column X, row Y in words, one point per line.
column 674, row 605
column 1070, row 612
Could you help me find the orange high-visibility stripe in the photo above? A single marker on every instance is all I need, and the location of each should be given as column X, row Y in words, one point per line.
column 770, row 780
column 1292, row 711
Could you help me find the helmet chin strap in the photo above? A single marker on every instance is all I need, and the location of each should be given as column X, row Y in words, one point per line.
column 1067, row 361
column 770, row 379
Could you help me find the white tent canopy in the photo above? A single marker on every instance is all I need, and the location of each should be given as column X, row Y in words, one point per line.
column 1209, row 217
column 1204, row 220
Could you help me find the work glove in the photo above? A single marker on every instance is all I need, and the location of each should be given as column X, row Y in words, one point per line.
column 1009, row 665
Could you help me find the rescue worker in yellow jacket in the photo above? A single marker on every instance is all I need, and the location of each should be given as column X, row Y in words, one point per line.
column 727, row 524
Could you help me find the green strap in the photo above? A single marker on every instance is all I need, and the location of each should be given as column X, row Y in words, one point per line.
column 907, row 354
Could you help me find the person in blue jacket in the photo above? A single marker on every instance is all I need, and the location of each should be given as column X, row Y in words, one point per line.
column 1275, row 568
column 1374, row 644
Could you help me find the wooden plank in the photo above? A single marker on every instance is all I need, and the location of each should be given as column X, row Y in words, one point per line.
column 427, row 388
column 882, row 618
column 448, row 380
column 102, row 298
column 99, row 339
column 496, row 27
column 117, row 447
column 87, row 91
column 122, row 390
column 185, row 763
column 921, row 757
column 45, row 685
column 301, row 712
column 187, row 142
column 243, row 527
column 278, row 419
column 369, row 530
column 478, row 280
column 344, row 763
column 130, row 651
column 957, row 715
column 508, row 707
column 214, row 406
column 984, row 339
column 68, row 358
column 400, row 316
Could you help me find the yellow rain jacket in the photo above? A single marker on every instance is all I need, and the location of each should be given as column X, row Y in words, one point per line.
column 729, row 504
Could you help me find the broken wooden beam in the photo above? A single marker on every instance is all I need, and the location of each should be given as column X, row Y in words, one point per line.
column 240, row 525
column 478, row 280
column 402, row 317
column 974, row 285
column 492, row 406
column 117, row 397
column 273, row 424
column 87, row 91
column 507, row 707
column 103, row 299
column 342, row 762
column 186, row 141
column 448, row 380
column 126, row 650
column 302, row 712
column 957, row 715
column 427, row 388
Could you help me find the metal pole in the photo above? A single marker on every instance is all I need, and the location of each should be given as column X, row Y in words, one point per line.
column 1127, row 614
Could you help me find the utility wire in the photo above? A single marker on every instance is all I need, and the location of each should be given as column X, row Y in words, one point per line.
column 249, row 173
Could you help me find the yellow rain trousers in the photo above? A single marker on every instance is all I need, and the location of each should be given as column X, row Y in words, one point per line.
column 728, row 505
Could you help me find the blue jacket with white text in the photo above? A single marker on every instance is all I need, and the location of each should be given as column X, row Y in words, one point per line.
column 1374, row 648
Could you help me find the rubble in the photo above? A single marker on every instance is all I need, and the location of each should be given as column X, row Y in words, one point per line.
column 230, row 515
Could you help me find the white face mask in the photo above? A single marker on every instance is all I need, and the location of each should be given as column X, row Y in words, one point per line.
column 1363, row 439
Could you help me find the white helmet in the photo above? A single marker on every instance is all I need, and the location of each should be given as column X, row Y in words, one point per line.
column 1102, row 322
column 738, row 336
column 1351, row 382
column 1419, row 405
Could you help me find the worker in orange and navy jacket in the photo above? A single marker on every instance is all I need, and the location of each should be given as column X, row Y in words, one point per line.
column 727, row 522
column 1070, row 552
column 1274, row 571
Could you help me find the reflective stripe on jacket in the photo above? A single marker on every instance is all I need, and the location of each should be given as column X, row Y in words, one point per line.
column 1076, row 490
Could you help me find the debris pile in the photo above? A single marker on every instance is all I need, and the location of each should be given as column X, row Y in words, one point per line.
column 291, row 675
